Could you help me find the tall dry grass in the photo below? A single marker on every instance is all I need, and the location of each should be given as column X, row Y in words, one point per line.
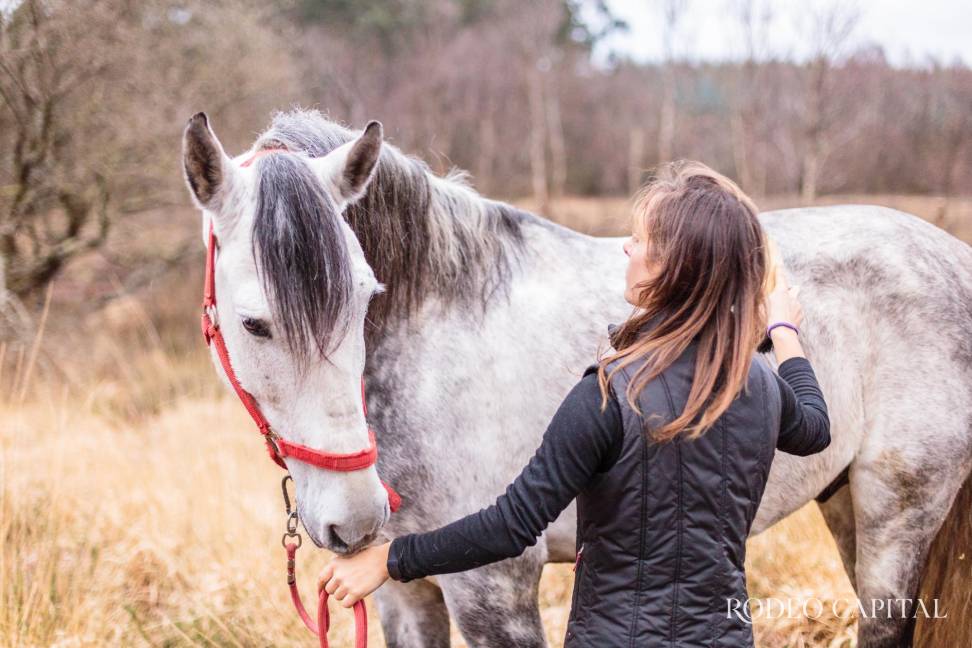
column 161, row 527
column 138, row 508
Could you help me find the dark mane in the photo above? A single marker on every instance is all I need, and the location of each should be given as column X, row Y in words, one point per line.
column 302, row 257
column 423, row 235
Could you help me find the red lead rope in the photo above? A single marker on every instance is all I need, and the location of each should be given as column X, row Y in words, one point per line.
column 323, row 618
column 279, row 448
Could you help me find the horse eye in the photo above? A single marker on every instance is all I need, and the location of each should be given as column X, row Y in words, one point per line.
column 256, row 327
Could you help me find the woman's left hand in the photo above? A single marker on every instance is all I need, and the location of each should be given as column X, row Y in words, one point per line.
column 351, row 578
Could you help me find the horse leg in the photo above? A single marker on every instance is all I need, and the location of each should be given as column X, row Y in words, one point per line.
column 413, row 615
column 899, row 505
column 838, row 513
column 496, row 606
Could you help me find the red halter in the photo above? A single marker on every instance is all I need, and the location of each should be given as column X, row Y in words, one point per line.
column 279, row 448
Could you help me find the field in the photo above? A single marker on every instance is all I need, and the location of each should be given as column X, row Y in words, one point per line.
column 137, row 506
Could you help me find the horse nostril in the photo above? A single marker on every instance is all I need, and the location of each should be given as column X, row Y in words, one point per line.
column 342, row 545
column 337, row 543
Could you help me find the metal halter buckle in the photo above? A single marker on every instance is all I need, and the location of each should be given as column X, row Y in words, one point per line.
column 212, row 314
column 292, row 519
column 272, row 438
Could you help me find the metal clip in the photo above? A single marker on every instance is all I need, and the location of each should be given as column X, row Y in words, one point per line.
column 271, row 438
column 292, row 519
column 286, row 494
column 283, row 540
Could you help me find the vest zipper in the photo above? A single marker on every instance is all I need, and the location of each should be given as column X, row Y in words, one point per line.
column 575, row 597
column 578, row 558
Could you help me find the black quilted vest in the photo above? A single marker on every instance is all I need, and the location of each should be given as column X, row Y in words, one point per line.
column 661, row 536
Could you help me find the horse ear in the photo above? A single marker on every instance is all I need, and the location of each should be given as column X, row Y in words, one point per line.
column 204, row 162
column 347, row 170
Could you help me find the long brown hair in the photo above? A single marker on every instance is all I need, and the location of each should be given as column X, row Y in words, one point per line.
column 712, row 260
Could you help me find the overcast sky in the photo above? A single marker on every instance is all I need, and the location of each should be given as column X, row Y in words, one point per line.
column 909, row 31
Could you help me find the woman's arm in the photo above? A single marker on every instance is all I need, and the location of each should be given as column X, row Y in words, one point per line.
column 804, row 423
column 580, row 441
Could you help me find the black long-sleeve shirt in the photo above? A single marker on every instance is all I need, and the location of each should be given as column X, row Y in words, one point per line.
column 580, row 441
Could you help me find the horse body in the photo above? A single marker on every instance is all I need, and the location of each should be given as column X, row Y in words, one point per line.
column 888, row 299
column 873, row 282
column 887, row 303
column 490, row 314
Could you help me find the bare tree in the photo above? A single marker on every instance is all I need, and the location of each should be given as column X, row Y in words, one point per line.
column 749, row 115
column 636, row 157
column 90, row 98
column 947, row 132
column 952, row 124
column 538, row 130
column 555, row 135
column 537, row 31
column 46, row 62
column 672, row 12
column 830, row 28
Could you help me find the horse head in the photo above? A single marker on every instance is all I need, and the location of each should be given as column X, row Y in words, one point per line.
column 294, row 288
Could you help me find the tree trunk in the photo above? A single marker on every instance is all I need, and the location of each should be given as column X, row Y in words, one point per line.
column 558, row 149
column 811, row 169
column 740, row 138
column 666, row 124
column 487, row 153
column 636, row 158
column 538, row 161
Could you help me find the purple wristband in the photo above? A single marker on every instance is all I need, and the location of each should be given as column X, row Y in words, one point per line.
column 769, row 329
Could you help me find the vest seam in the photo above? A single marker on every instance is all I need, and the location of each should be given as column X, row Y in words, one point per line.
column 723, row 505
column 641, row 532
column 641, row 542
column 678, row 514
column 767, row 451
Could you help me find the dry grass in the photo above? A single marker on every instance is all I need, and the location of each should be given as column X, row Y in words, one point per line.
column 166, row 532
column 137, row 506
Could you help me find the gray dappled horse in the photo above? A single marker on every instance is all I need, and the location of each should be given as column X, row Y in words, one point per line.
column 483, row 319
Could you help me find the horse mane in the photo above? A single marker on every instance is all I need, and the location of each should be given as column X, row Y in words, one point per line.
column 304, row 263
column 424, row 235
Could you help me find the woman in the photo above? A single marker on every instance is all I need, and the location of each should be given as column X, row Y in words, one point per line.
column 666, row 443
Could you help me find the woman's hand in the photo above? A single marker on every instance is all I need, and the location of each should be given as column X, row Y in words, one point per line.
column 782, row 304
column 351, row 578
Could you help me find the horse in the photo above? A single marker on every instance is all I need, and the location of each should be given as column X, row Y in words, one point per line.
column 478, row 317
